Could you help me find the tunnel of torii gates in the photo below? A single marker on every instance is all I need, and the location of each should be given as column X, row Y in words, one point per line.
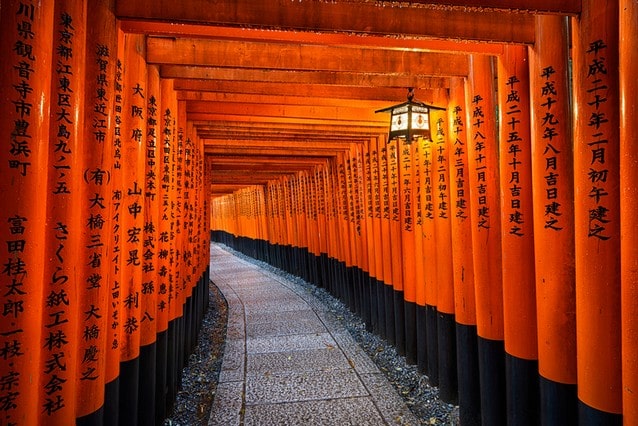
column 499, row 255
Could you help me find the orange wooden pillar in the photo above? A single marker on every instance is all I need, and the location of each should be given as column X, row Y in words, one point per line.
column 597, row 212
column 395, row 242
column 419, row 274
column 445, row 324
column 552, row 174
column 428, row 329
column 377, row 240
column 132, row 220
column 25, row 78
column 61, row 320
column 408, row 268
column 486, row 237
column 95, row 194
column 386, row 220
column 361, row 229
column 462, row 261
column 114, row 296
column 628, row 64
column 148, row 291
column 371, row 246
column 517, row 224
column 163, row 241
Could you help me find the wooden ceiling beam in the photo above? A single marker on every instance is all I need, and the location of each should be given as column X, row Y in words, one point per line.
column 305, row 77
column 172, row 29
column 276, row 99
column 206, row 116
column 275, row 56
column 302, row 112
column 451, row 21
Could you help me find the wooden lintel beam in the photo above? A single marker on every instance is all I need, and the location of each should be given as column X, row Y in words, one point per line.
column 302, row 112
column 372, row 41
column 390, row 94
column 270, row 56
column 205, row 116
column 379, row 18
column 277, row 99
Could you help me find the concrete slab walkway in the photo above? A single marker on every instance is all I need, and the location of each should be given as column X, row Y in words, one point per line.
column 288, row 361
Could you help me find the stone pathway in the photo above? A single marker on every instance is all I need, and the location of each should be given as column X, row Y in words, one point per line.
column 288, row 361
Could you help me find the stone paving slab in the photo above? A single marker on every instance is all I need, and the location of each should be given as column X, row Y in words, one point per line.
column 288, row 360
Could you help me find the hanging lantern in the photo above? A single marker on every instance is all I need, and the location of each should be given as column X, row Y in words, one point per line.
column 410, row 119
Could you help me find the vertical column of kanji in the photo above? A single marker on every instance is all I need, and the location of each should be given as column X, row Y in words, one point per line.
column 60, row 315
column 519, row 294
column 332, row 195
column 148, row 290
column 419, row 274
column 408, row 269
column 164, row 246
column 428, row 330
column 386, row 219
column 370, row 237
column 314, row 230
column 353, row 278
column 94, row 268
column 187, row 229
column 344, row 234
column 395, row 241
column 133, row 134
column 321, row 206
column 552, row 187
column 445, row 323
column 486, row 237
column 377, row 240
column 464, row 306
column 178, row 229
column 114, row 334
column 26, row 28
column 628, row 64
column 597, row 212
column 363, row 270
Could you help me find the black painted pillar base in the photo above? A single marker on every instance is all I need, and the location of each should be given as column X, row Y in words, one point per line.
column 559, row 403
column 95, row 418
column 364, row 279
column 374, row 304
column 129, row 391
column 492, row 378
column 160, row 378
column 146, row 393
column 380, row 295
column 446, row 339
column 523, row 391
column 389, row 315
column 399, row 322
column 590, row 416
column 421, row 341
column 112, row 403
column 432, row 339
column 467, row 366
column 410, row 332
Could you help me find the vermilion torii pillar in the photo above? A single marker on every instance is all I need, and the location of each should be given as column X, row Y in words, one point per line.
column 96, row 210
column 61, row 318
column 552, row 174
column 133, row 131
column 462, row 261
column 597, row 212
column 517, row 219
column 26, row 29
column 486, row 236
column 628, row 206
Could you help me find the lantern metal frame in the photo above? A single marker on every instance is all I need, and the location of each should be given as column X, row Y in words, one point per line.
column 410, row 119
